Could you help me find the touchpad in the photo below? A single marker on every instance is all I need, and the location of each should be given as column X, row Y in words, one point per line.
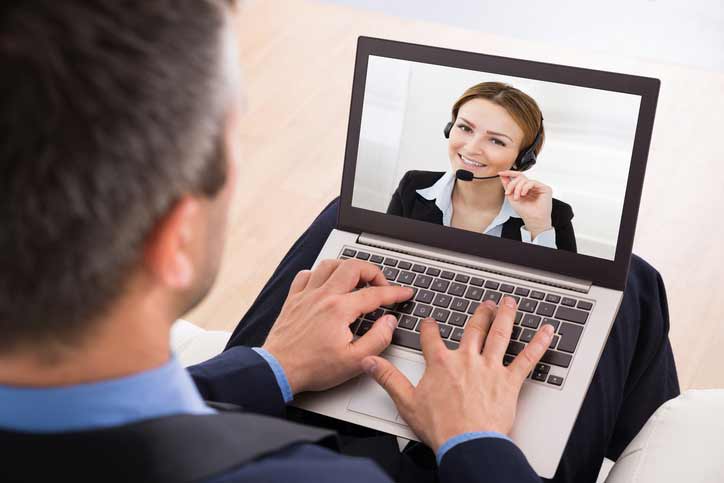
column 370, row 399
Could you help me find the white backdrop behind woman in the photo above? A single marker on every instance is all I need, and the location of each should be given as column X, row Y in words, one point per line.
column 585, row 159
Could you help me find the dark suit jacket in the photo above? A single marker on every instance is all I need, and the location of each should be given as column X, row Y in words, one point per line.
column 240, row 376
column 408, row 203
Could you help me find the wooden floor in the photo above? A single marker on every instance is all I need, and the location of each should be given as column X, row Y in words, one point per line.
column 298, row 58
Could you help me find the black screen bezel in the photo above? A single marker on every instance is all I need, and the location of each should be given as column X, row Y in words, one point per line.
column 606, row 273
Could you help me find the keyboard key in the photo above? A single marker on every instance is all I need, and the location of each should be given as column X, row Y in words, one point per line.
column 444, row 330
column 442, row 300
column 363, row 255
column 432, row 271
column 425, row 296
column 364, row 327
column 462, row 278
column 569, row 302
column 539, row 376
column 507, row 288
column 344, row 258
column 422, row 310
column 353, row 326
column 404, row 265
column 554, row 341
column 553, row 298
column 518, row 317
column 422, row 281
column 407, row 322
column 447, row 275
column 507, row 359
column 456, row 289
column 542, row 368
column 555, row 323
column 492, row 285
column 572, row 315
column 406, row 339
column 473, row 306
column 478, row 282
column 523, row 292
column 375, row 315
column 390, row 262
column 527, row 335
column 530, row 321
column 348, row 252
column 535, row 294
column 516, row 298
column 515, row 348
column 376, row 259
column 570, row 333
column 457, row 334
column 406, row 277
column 474, row 293
column 527, row 305
column 459, row 304
column 492, row 295
column 555, row 380
column 457, row 319
column 390, row 273
column 546, row 310
column 440, row 315
column 516, row 332
column 557, row 358
column 440, row 285
column 582, row 304
column 418, row 268
column 406, row 307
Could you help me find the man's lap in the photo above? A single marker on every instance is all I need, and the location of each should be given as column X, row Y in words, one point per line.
column 635, row 375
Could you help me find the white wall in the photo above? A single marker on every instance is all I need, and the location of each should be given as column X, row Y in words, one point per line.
column 586, row 157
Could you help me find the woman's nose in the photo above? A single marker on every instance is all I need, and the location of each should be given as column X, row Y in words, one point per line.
column 475, row 144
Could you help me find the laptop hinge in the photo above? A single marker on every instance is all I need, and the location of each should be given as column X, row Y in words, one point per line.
column 476, row 263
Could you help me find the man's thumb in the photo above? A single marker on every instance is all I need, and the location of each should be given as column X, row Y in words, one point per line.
column 391, row 379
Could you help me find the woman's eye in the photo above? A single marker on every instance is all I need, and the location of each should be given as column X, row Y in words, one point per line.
column 464, row 128
column 497, row 141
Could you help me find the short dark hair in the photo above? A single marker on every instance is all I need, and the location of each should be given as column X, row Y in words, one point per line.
column 109, row 112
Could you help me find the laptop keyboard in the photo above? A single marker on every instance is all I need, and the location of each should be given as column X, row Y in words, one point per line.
column 450, row 297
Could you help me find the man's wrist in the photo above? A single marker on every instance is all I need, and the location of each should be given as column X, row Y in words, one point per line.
column 462, row 438
column 280, row 373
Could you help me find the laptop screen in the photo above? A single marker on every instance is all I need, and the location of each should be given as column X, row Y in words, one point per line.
column 426, row 129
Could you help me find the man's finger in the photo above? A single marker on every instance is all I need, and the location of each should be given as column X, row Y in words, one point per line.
column 476, row 330
column 430, row 339
column 392, row 380
column 300, row 282
column 499, row 333
column 530, row 356
column 377, row 338
column 322, row 272
column 352, row 273
column 367, row 299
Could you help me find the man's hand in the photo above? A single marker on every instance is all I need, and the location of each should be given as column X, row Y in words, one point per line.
column 463, row 390
column 311, row 338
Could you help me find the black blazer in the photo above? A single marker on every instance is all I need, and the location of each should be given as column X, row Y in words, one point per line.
column 406, row 202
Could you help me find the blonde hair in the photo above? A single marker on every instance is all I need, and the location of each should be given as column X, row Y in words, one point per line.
column 521, row 107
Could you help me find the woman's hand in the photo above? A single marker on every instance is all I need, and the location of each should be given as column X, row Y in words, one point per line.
column 531, row 199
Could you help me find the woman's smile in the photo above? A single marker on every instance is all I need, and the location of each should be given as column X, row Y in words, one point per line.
column 471, row 162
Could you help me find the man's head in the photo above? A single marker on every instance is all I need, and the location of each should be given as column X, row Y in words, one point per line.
column 114, row 158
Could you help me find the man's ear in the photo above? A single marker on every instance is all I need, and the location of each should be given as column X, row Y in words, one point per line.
column 168, row 253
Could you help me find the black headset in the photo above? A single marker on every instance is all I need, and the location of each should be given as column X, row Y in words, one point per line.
column 526, row 159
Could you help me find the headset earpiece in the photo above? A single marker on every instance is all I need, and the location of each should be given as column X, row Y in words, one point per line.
column 527, row 159
column 448, row 128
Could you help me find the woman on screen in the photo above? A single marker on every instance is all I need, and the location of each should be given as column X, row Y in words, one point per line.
column 495, row 134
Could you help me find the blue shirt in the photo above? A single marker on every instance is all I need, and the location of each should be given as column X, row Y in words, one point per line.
column 163, row 391
column 442, row 191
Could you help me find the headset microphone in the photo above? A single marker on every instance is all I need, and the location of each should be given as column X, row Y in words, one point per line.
column 465, row 175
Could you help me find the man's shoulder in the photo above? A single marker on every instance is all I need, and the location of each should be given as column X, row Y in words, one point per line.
column 305, row 463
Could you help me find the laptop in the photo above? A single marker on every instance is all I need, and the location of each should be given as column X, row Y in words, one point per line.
column 597, row 133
